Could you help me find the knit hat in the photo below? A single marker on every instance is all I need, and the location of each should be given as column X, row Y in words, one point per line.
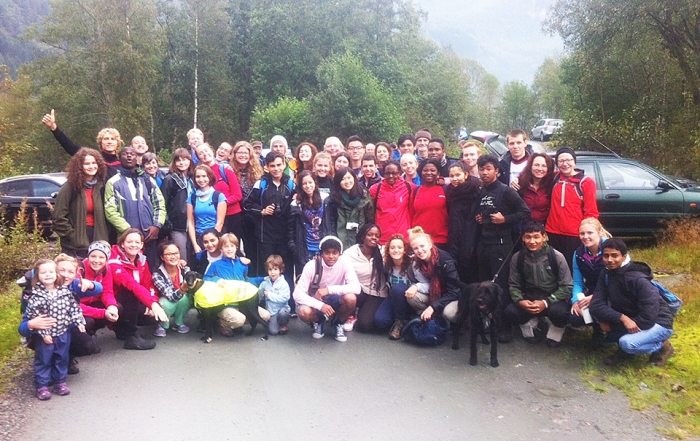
column 568, row 150
column 423, row 134
column 279, row 138
column 331, row 238
column 99, row 245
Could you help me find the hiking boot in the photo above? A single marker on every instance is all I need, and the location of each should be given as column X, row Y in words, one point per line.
column 617, row 358
column 506, row 335
column 318, row 330
column 660, row 357
column 340, row 333
column 61, row 389
column 349, row 324
column 43, row 393
column 136, row 342
column 395, row 332
column 72, row 366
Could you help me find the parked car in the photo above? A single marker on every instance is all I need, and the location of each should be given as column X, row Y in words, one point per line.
column 633, row 198
column 492, row 141
column 39, row 190
column 545, row 128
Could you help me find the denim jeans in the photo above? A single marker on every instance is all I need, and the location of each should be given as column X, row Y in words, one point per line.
column 645, row 342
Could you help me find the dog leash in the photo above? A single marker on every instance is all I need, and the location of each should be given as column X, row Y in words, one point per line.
column 498, row 273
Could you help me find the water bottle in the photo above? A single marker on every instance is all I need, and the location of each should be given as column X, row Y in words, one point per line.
column 584, row 311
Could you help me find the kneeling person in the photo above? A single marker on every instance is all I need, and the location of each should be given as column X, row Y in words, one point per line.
column 337, row 290
column 629, row 307
column 540, row 285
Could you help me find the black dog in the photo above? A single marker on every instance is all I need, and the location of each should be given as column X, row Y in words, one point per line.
column 248, row 307
column 479, row 303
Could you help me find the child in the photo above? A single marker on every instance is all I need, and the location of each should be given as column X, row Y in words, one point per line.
column 230, row 267
column 277, row 293
column 50, row 297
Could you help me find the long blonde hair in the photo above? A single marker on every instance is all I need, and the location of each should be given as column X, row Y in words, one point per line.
column 595, row 223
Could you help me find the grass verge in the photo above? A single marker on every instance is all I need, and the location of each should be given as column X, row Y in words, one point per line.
column 13, row 356
column 675, row 388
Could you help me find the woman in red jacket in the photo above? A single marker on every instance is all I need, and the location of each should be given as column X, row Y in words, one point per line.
column 391, row 197
column 573, row 200
column 536, row 185
column 429, row 204
column 133, row 289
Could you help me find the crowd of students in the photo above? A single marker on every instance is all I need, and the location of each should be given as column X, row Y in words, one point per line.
column 358, row 240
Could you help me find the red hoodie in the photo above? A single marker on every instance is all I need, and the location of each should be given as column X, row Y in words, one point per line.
column 429, row 211
column 133, row 278
column 568, row 207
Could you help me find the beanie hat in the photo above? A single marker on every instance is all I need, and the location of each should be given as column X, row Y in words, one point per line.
column 279, row 138
column 331, row 238
column 568, row 150
column 423, row 134
column 99, row 245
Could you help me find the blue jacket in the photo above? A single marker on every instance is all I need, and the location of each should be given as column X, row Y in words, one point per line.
column 133, row 200
column 279, row 294
column 227, row 269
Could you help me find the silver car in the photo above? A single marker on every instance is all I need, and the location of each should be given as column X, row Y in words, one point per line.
column 545, row 128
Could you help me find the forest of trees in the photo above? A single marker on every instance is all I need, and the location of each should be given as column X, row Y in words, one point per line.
column 248, row 69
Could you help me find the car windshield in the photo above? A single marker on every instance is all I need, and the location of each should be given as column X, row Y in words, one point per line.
column 498, row 144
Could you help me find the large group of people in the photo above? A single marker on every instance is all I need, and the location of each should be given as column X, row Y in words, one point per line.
column 354, row 237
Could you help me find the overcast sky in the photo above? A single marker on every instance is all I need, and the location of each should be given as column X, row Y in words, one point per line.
column 504, row 36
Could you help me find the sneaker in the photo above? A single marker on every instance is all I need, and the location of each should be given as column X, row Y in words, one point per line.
column 660, row 357
column 318, row 330
column 61, row 389
column 340, row 333
column 182, row 329
column 159, row 332
column 43, row 393
column 395, row 332
column 349, row 323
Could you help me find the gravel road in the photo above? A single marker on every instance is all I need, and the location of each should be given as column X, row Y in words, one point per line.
column 292, row 386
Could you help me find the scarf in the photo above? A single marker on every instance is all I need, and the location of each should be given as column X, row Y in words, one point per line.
column 428, row 270
column 352, row 203
column 203, row 193
column 91, row 183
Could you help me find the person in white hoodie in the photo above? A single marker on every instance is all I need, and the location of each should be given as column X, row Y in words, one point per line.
column 327, row 290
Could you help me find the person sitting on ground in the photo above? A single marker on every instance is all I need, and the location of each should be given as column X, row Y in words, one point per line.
column 275, row 290
column 630, row 308
column 540, row 286
column 334, row 296
column 170, row 285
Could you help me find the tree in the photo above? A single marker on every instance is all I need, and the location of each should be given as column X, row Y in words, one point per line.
column 288, row 117
column 351, row 101
column 517, row 110
column 550, row 93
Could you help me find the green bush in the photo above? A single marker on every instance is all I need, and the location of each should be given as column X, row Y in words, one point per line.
column 19, row 248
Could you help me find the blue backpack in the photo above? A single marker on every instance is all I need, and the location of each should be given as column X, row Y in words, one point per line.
column 425, row 333
column 674, row 303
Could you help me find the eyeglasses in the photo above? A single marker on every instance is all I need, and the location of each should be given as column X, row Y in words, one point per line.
column 566, row 161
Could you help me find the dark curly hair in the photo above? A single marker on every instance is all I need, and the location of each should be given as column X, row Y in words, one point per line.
column 525, row 177
column 74, row 170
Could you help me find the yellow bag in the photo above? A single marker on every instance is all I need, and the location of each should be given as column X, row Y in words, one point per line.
column 210, row 294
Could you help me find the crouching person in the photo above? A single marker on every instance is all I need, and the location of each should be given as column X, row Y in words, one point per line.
column 327, row 290
column 630, row 309
column 275, row 289
column 540, row 286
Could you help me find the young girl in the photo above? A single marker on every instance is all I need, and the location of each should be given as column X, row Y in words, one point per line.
column 324, row 172
column 397, row 263
column 206, row 208
column 51, row 358
column 169, row 281
column 211, row 252
column 276, row 291
column 462, row 195
column 307, row 218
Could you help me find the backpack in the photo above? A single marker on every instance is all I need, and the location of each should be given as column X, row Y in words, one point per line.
column 577, row 185
column 520, row 265
column 673, row 301
column 425, row 333
column 263, row 187
column 222, row 172
column 215, row 197
column 316, row 280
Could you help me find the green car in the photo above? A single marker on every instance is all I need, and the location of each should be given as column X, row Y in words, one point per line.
column 633, row 198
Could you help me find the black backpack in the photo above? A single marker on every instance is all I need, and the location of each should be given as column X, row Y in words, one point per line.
column 520, row 265
column 214, row 198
